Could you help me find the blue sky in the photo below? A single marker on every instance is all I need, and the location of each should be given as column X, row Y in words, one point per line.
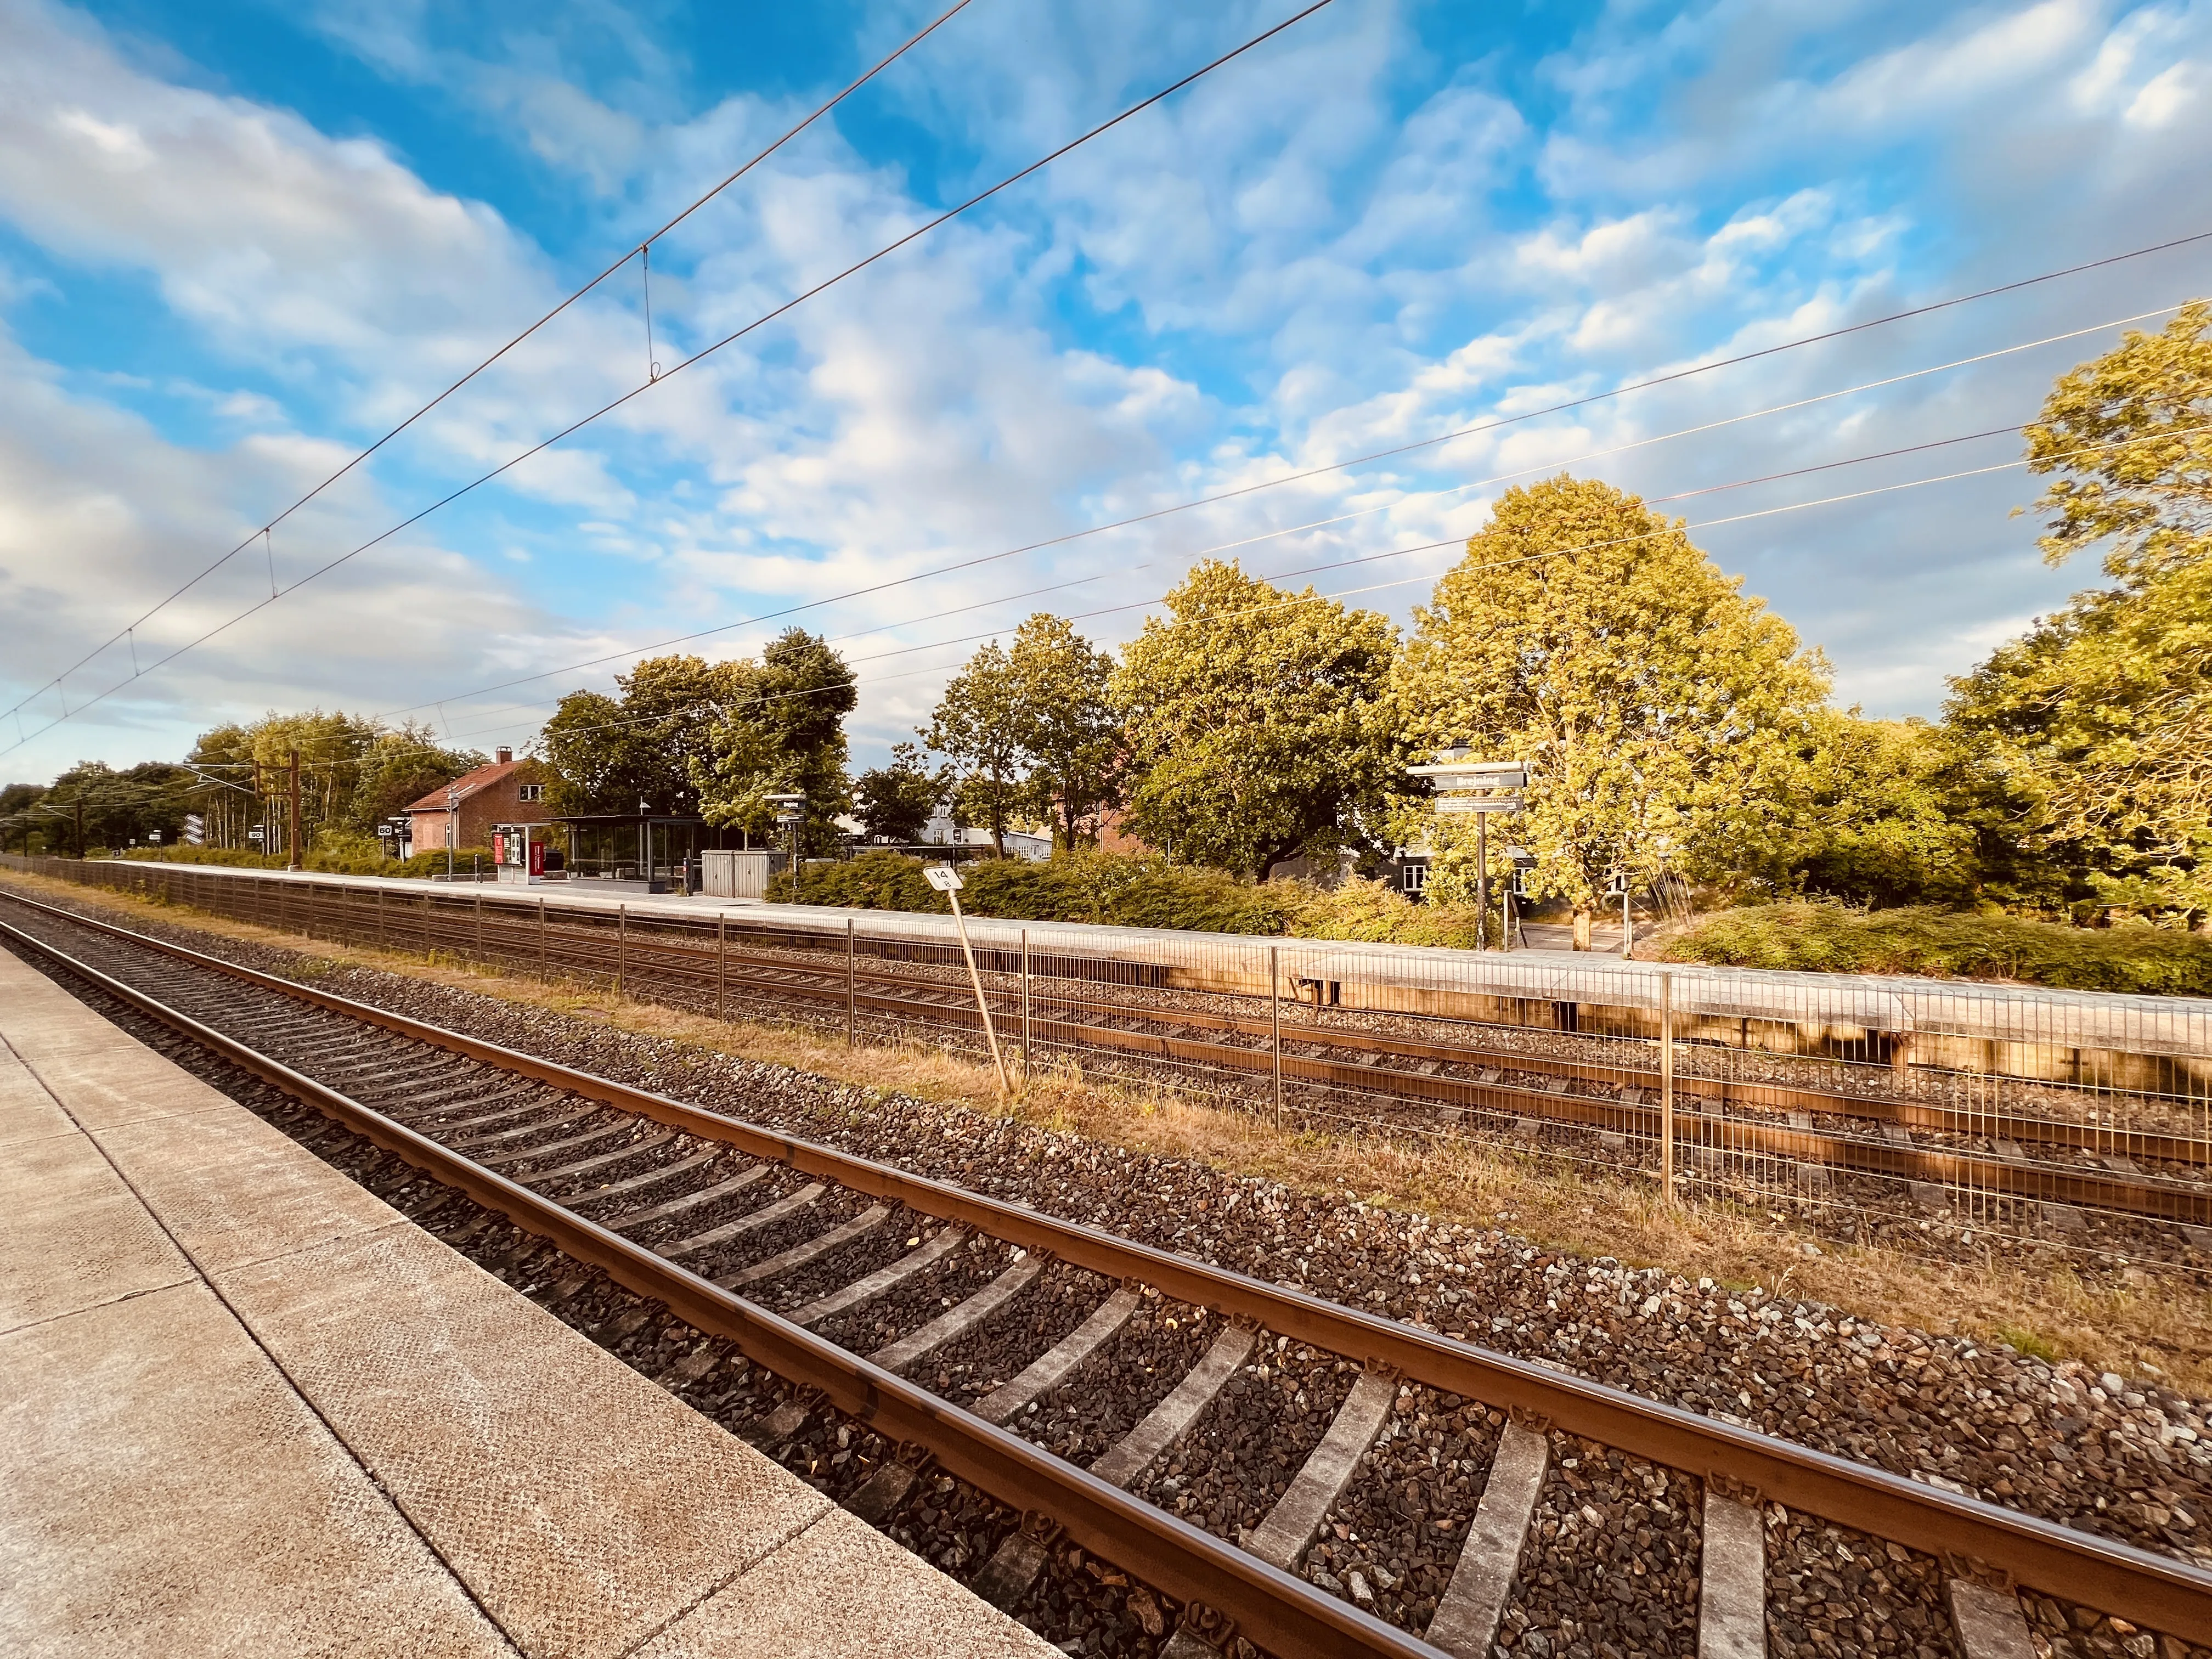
column 237, row 242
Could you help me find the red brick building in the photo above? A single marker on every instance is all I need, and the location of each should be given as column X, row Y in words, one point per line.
column 462, row 814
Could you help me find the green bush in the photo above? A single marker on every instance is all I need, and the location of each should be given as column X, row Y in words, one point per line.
column 1832, row 939
column 350, row 858
column 1138, row 892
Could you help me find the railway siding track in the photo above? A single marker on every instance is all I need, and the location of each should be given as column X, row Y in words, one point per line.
column 2045, row 1172
column 554, row 1127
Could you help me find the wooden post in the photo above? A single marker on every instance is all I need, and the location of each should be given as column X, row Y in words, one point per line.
column 721, row 968
column 983, row 1004
column 852, row 985
column 1275, row 1010
column 622, row 943
column 542, row 972
column 1025, row 1007
column 1667, row 1084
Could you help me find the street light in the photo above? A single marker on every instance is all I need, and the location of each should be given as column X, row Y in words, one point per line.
column 791, row 811
column 1479, row 787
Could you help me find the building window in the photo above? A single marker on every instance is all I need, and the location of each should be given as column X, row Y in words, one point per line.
column 1414, row 878
column 533, row 791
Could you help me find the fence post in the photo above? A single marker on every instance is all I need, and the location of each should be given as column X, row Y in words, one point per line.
column 543, row 976
column 380, row 934
column 1275, row 1014
column 852, row 984
column 622, row 942
column 721, row 967
column 1667, row 1086
column 479, row 944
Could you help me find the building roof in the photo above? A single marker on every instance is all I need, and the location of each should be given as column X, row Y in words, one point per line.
column 467, row 784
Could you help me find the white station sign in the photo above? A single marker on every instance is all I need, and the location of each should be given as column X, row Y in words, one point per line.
column 944, row 878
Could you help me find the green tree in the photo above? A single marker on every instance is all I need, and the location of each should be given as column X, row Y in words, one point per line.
column 1659, row 710
column 1256, row 725
column 2099, row 720
column 780, row 731
column 978, row 726
column 895, row 803
column 397, row 768
column 1065, row 726
column 646, row 744
column 1883, row 816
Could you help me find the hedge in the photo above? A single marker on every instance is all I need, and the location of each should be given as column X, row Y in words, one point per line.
column 1832, row 938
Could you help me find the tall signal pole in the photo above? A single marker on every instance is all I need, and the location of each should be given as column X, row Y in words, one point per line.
column 292, row 842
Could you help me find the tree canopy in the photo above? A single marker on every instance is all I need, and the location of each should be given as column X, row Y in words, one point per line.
column 779, row 728
column 2099, row 720
column 978, row 725
column 895, row 802
column 1256, row 723
column 645, row 743
column 1658, row 709
column 1065, row 726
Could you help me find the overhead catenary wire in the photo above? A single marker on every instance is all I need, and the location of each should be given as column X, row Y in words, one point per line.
column 508, row 466
column 663, row 715
column 888, row 585
column 698, row 203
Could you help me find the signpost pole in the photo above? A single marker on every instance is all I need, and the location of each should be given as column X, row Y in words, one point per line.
column 1667, row 1086
column 946, row 880
column 1275, row 1014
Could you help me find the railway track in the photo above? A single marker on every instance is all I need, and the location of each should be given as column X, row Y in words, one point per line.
column 2044, row 1173
column 1112, row 1359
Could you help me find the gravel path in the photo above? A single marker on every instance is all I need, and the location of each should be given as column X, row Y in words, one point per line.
column 1613, row 1567
column 1392, row 1540
column 1830, row 1591
column 1225, row 1473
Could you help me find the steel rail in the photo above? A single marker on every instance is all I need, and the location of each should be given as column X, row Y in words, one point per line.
column 2161, row 1592
column 1271, row 1606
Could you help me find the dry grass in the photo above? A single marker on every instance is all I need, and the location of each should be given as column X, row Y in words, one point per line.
column 2040, row 1304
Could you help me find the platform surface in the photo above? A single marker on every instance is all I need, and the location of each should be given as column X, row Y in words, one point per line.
column 248, row 1409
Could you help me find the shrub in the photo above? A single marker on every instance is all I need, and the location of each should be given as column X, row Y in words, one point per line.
column 348, row 858
column 1923, row 940
column 1088, row 887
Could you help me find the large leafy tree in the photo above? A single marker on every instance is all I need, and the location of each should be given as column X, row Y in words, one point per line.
column 1256, row 723
column 780, row 730
column 643, row 744
column 978, row 725
column 1884, row 814
column 1065, row 724
column 2099, row 719
column 895, row 802
column 1660, row 710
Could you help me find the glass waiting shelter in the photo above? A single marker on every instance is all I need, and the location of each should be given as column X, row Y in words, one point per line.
column 635, row 846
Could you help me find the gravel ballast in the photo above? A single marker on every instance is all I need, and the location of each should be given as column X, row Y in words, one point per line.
column 2120, row 1457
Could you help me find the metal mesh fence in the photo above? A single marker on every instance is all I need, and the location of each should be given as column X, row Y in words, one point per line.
column 1893, row 1109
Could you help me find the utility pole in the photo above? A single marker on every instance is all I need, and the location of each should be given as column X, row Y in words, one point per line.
column 292, row 826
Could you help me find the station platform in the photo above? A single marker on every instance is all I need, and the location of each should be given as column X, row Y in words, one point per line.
column 247, row 1409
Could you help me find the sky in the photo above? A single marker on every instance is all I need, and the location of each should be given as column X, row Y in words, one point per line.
column 241, row 242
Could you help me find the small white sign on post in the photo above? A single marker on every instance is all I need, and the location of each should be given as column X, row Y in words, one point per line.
column 946, row 880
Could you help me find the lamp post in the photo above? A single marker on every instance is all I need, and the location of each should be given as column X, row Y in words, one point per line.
column 791, row 812
column 1479, row 787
